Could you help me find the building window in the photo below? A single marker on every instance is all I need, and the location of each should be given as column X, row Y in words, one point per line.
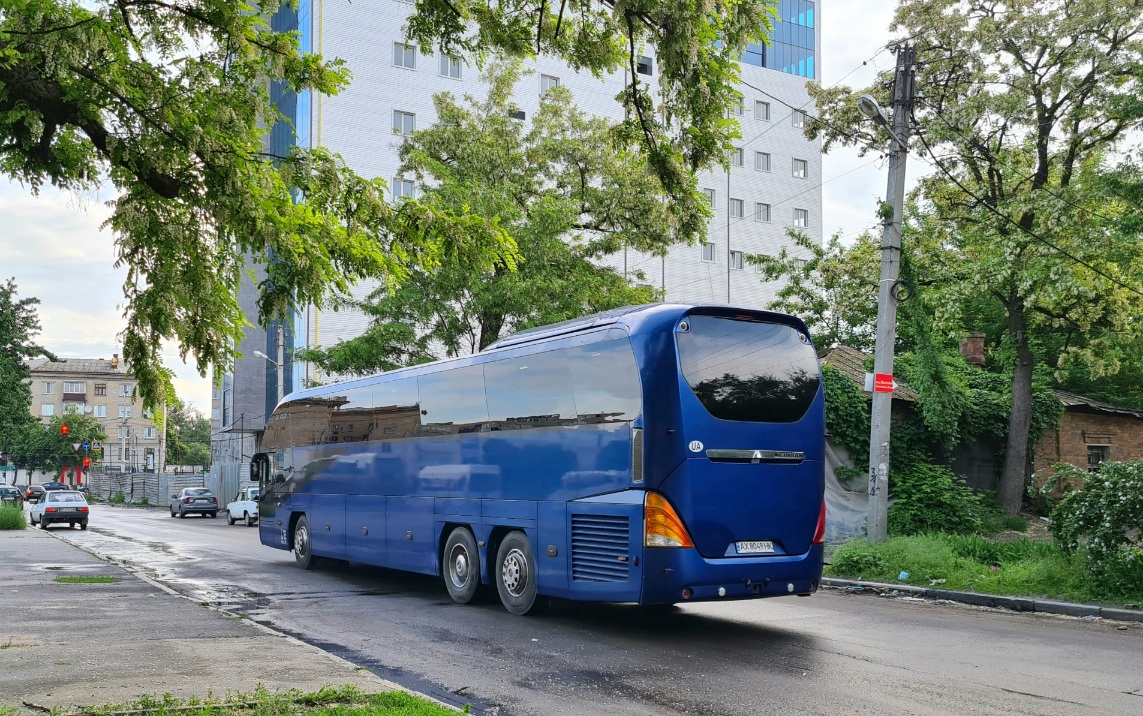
column 147, row 413
column 47, row 410
column 736, row 208
column 1096, row 456
column 450, row 66
column 802, row 218
column 737, row 157
column 798, row 118
column 75, row 386
column 101, row 388
column 404, row 122
column 125, row 390
column 762, row 161
column 548, row 82
column 762, row 212
column 646, row 66
column 709, row 195
column 47, row 388
column 708, row 252
column 124, row 432
column 404, row 188
column 124, row 411
column 518, row 114
column 73, row 408
column 99, row 411
column 762, row 110
column 800, row 168
column 739, row 107
column 404, row 56
column 737, row 260
column 149, row 433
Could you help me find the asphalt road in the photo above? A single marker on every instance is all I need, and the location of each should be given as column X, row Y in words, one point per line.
column 828, row 654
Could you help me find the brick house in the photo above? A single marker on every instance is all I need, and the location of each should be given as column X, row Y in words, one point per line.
column 1090, row 432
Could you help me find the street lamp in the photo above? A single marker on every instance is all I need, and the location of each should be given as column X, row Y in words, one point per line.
column 279, row 364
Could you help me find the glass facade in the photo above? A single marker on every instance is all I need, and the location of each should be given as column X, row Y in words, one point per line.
column 791, row 49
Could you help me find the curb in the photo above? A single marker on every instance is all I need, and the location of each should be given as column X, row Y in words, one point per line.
column 1016, row 604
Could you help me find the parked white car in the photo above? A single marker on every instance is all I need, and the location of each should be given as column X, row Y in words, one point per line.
column 58, row 506
column 244, row 507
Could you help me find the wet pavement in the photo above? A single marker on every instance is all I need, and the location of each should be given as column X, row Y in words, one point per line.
column 827, row 654
column 66, row 645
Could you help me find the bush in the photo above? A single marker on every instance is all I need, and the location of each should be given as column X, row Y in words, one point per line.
column 117, row 499
column 930, row 498
column 12, row 518
column 1104, row 521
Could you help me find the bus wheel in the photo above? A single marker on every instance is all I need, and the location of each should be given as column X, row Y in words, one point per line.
column 302, row 548
column 516, row 574
column 461, row 568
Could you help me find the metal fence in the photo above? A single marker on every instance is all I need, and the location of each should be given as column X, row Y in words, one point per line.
column 142, row 487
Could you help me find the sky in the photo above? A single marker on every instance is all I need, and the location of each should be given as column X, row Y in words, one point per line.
column 53, row 246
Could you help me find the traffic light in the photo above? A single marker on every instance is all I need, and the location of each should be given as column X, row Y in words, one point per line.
column 63, row 429
column 86, row 463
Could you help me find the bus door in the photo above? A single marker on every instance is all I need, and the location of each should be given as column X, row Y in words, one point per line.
column 270, row 532
column 754, row 431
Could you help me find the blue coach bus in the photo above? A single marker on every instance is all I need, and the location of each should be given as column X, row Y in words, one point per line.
column 656, row 454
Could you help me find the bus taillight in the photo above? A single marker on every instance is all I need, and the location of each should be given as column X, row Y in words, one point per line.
column 819, row 531
column 662, row 525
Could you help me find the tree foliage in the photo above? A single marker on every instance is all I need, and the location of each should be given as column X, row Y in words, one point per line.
column 1023, row 103
column 41, row 446
column 563, row 185
column 19, row 324
column 170, row 103
column 188, row 435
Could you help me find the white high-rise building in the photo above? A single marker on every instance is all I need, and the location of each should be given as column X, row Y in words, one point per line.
column 774, row 182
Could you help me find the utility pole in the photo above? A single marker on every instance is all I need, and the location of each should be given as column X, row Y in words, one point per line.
column 881, row 411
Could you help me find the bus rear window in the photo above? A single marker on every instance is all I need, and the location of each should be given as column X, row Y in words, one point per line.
column 748, row 371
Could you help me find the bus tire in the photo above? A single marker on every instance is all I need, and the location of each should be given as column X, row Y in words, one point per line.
column 303, row 553
column 515, row 574
column 461, row 567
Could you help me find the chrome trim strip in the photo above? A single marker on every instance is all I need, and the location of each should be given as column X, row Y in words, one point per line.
column 637, row 454
column 755, row 456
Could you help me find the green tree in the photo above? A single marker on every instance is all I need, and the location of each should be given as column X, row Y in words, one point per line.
column 1023, row 101
column 44, row 446
column 188, row 435
column 562, row 185
column 19, row 324
column 170, row 103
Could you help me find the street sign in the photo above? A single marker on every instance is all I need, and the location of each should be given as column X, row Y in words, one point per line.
column 97, row 445
column 883, row 383
column 86, row 446
column 75, row 446
column 7, row 468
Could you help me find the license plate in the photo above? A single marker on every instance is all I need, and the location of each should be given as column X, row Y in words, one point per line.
column 755, row 547
column 200, row 500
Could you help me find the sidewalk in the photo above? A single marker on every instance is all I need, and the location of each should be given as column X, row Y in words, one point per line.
column 65, row 645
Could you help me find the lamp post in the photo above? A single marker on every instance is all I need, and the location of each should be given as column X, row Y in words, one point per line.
column 280, row 364
column 882, row 403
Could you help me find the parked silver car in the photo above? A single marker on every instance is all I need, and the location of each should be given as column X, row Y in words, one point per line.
column 194, row 500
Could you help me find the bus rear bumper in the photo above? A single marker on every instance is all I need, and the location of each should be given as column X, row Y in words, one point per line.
column 683, row 575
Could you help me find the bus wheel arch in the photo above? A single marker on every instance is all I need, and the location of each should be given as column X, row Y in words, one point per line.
column 301, row 541
column 460, row 563
column 515, row 573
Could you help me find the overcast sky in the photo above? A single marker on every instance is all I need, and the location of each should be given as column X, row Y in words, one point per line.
column 53, row 246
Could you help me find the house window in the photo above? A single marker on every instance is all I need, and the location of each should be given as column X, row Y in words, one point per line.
column 47, row 410
column 75, row 387
column 124, row 411
column 646, row 66
column 404, row 122
column 47, row 388
column 800, row 168
column 101, row 388
column 124, row 432
column 761, row 161
column 762, row 110
column 125, row 390
column 737, row 157
column 147, row 413
column 762, row 212
column 548, row 82
column 737, row 260
column 99, row 411
column 149, row 432
column 518, row 114
column 404, row 56
column 450, row 66
column 801, row 218
column 73, row 408
column 708, row 252
column 739, row 107
column 736, row 208
column 798, row 118
column 404, row 188
column 1097, row 455
column 709, row 195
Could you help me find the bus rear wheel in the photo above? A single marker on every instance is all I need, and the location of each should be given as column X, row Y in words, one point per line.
column 461, row 569
column 303, row 553
column 516, row 574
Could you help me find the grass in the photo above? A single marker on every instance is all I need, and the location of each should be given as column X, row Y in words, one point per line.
column 1026, row 568
column 87, row 580
column 330, row 701
column 116, row 499
column 12, row 518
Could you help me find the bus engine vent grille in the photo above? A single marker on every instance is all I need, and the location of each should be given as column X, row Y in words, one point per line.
column 600, row 546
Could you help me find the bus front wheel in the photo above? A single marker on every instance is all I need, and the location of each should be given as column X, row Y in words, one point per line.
column 516, row 574
column 303, row 554
column 462, row 566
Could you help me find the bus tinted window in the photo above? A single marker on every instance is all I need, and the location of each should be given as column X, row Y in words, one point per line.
column 532, row 391
column 605, row 381
column 396, row 409
column 749, row 371
column 452, row 401
column 351, row 420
